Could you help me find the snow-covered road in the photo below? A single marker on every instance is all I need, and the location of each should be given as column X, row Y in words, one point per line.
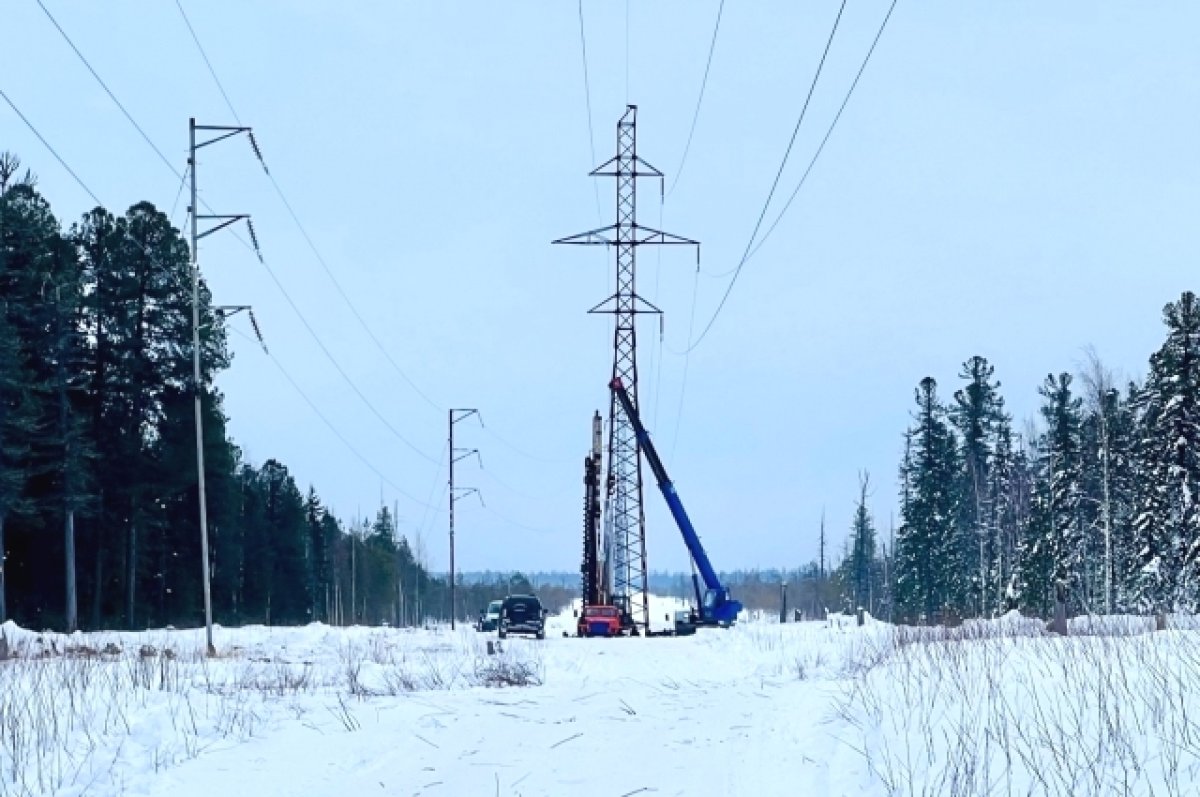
column 600, row 738
column 722, row 712
column 760, row 709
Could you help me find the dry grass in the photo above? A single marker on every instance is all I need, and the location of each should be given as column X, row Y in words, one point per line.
column 966, row 712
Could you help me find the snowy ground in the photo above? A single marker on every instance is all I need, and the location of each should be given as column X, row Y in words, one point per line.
column 761, row 709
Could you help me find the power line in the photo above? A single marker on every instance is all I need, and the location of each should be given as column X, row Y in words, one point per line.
column 427, row 527
column 107, row 90
column 275, row 279
column 828, row 132
column 346, row 377
column 278, row 365
column 522, row 452
column 703, row 84
column 329, row 271
column 341, row 292
column 517, row 492
column 53, row 151
column 775, row 184
column 587, row 93
column 141, row 131
column 658, row 357
column 178, row 194
column 687, row 361
column 750, row 252
column 207, row 63
column 346, row 442
column 303, row 230
column 426, row 517
column 518, row 524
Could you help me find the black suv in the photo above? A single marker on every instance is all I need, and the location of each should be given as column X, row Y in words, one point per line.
column 522, row 614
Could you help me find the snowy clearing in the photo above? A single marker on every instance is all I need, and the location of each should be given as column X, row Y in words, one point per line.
column 761, row 709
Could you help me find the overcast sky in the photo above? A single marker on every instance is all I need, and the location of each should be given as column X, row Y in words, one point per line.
column 1017, row 180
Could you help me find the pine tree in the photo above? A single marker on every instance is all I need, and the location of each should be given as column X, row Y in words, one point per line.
column 287, row 597
column 72, row 446
column 317, row 556
column 1126, row 478
column 1168, row 520
column 17, row 426
column 926, row 559
column 40, row 286
column 18, row 410
column 135, row 268
column 97, row 397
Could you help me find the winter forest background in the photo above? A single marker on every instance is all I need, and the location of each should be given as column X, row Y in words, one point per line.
column 1092, row 508
column 1089, row 508
column 98, row 504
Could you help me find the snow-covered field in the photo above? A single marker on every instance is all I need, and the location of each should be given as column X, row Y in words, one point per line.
column 760, row 709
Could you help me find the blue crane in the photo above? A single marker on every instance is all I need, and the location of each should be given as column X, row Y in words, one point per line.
column 716, row 607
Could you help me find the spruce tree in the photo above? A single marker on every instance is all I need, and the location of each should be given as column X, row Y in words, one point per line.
column 1168, row 519
column 1062, row 468
column 978, row 409
column 1035, row 593
column 1005, row 498
column 927, row 562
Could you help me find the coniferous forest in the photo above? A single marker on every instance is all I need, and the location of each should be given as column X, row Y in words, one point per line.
column 99, row 522
column 1091, row 508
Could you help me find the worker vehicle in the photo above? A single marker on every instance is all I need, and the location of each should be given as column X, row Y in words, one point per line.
column 522, row 614
column 685, row 623
column 598, row 607
column 489, row 618
column 714, row 606
column 599, row 621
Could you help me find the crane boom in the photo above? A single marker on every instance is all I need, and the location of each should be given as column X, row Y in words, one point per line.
column 717, row 606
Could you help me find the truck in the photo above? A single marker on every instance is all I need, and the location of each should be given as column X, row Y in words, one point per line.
column 714, row 605
column 599, row 620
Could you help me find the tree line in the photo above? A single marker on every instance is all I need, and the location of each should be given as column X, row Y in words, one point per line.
column 99, row 523
column 1092, row 508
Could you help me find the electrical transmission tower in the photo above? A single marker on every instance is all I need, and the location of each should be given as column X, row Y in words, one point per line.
column 624, row 483
column 219, row 222
column 458, row 493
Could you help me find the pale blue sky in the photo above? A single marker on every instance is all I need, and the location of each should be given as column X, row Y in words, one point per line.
column 1017, row 180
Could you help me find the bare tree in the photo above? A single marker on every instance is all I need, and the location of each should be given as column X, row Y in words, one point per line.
column 10, row 165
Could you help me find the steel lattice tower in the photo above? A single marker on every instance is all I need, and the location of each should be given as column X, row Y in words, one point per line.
column 624, row 483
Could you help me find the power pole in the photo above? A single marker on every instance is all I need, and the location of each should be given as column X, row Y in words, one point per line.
column 624, row 481
column 455, row 493
column 221, row 222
